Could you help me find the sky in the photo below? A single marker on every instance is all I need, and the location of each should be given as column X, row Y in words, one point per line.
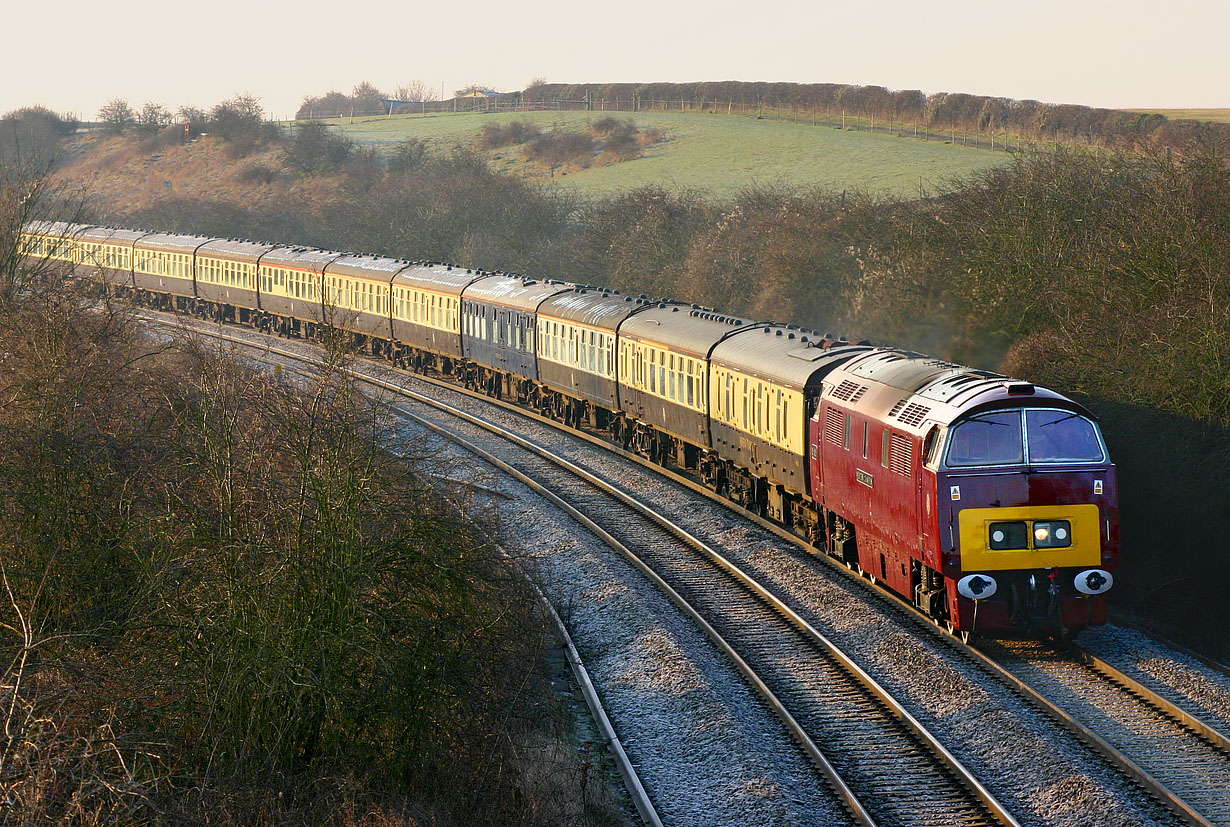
column 76, row 55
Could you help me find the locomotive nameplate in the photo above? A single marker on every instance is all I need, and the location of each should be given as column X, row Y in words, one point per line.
column 865, row 478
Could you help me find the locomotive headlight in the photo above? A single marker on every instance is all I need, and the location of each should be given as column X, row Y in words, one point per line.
column 1052, row 534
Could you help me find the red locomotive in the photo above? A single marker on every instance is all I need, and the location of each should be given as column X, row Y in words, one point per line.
column 990, row 503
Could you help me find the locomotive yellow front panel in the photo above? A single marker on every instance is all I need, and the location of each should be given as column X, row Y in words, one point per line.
column 1030, row 537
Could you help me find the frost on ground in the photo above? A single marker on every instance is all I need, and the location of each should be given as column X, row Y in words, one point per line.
column 707, row 752
column 1200, row 689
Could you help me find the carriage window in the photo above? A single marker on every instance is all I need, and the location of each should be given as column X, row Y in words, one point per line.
column 987, row 439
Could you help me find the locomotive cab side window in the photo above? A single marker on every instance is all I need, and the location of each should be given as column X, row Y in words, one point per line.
column 932, row 446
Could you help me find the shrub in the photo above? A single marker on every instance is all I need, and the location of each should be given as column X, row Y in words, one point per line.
column 606, row 125
column 315, row 148
column 409, row 155
column 648, row 137
column 493, row 135
column 257, row 173
column 561, row 149
column 621, row 145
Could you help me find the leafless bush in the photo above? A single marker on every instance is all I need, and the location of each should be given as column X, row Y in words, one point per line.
column 650, row 136
column 606, row 125
column 494, row 135
column 621, row 145
column 257, row 173
column 556, row 149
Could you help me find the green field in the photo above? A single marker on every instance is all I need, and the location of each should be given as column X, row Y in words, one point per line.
column 1213, row 115
column 716, row 153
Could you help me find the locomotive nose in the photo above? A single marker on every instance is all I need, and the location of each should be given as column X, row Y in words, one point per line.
column 1094, row 581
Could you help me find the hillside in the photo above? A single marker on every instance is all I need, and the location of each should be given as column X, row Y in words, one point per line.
column 128, row 174
column 714, row 153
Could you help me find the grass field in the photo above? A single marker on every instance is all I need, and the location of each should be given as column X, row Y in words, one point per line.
column 716, row 153
column 1214, row 115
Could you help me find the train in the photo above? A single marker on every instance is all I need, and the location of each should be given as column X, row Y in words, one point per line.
column 987, row 502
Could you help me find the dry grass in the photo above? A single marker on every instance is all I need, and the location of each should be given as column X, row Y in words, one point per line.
column 124, row 173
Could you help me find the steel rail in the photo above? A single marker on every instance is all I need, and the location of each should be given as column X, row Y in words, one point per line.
column 1187, row 719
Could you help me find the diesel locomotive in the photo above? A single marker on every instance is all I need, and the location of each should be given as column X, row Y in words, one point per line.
column 989, row 503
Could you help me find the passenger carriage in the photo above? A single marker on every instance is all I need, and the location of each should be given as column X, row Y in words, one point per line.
column 663, row 377
column 426, row 315
column 162, row 269
column 498, row 332
column 762, row 386
column 52, row 241
column 359, row 297
column 576, row 356
column 226, row 279
column 290, row 282
column 104, row 254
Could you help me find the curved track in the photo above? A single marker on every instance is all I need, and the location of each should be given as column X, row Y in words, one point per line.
column 1182, row 761
column 884, row 764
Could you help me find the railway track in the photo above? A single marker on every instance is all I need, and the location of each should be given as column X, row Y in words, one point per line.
column 1178, row 754
column 885, row 766
column 1194, row 785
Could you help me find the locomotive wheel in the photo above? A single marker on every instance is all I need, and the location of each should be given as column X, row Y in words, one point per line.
column 962, row 635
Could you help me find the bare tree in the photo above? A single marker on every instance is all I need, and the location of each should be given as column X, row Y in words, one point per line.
column 28, row 194
column 116, row 116
column 153, row 117
column 365, row 99
column 416, row 91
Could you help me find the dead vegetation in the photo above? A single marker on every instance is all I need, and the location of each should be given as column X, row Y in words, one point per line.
column 607, row 141
column 231, row 596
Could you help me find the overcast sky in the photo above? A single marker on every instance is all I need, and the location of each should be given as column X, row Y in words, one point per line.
column 75, row 55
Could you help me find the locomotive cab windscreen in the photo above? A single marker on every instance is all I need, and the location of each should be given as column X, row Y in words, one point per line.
column 1024, row 436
